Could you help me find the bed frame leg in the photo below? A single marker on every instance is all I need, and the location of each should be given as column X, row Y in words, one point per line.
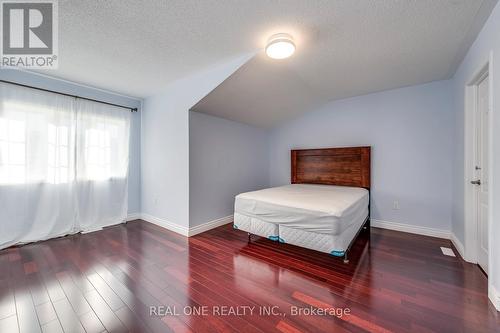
column 346, row 261
column 249, row 237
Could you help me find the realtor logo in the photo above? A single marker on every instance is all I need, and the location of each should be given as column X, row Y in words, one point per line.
column 29, row 33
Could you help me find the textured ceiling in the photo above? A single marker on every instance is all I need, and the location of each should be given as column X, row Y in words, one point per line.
column 350, row 48
column 139, row 47
column 345, row 47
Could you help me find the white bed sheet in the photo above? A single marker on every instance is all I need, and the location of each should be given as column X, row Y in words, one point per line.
column 325, row 209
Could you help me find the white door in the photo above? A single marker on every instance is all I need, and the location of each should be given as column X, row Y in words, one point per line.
column 481, row 171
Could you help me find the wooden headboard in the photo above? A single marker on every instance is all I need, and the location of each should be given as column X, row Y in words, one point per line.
column 348, row 166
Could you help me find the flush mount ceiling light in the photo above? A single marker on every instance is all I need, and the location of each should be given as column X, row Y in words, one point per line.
column 280, row 46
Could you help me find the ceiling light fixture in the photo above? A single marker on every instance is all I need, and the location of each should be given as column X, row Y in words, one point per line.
column 280, row 46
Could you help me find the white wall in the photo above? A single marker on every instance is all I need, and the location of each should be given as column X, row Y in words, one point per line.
column 225, row 158
column 410, row 131
column 165, row 144
column 45, row 82
column 486, row 44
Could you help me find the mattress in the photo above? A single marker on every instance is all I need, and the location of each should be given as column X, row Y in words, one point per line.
column 256, row 226
column 324, row 209
column 333, row 244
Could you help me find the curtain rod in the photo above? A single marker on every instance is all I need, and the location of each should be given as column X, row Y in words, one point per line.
column 75, row 96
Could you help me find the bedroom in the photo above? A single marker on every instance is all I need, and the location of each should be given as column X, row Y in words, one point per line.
column 161, row 170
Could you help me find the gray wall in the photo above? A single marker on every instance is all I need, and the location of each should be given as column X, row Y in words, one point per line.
column 486, row 47
column 477, row 56
column 410, row 131
column 134, row 193
column 225, row 158
column 165, row 144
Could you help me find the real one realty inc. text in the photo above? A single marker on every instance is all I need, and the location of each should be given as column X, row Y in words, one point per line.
column 246, row 310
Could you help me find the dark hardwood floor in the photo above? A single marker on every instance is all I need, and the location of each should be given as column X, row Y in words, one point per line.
column 109, row 280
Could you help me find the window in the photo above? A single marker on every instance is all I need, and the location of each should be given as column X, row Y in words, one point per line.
column 12, row 151
column 58, row 154
column 63, row 164
column 98, row 154
column 47, row 138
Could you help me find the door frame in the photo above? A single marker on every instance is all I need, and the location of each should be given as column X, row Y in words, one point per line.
column 470, row 144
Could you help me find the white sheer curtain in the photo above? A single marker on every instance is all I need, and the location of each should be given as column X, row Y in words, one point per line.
column 63, row 165
column 102, row 145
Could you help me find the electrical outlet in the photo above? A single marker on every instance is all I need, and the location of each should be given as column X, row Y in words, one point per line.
column 395, row 205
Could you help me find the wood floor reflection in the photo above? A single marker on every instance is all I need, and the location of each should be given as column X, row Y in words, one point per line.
column 141, row 278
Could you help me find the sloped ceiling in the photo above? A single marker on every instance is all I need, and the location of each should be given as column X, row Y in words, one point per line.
column 261, row 93
column 349, row 48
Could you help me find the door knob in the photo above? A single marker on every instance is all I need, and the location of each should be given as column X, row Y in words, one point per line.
column 476, row 182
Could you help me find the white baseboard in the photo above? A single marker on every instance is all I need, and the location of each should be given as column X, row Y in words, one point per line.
column 412, row 229
column 210, row 225
column 188, row 232
column 494, row 296
column 184, row 231
column 88, row 231
column 133, row 216
column 458, row 245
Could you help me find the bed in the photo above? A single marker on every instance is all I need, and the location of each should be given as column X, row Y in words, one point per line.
column 324, row 208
